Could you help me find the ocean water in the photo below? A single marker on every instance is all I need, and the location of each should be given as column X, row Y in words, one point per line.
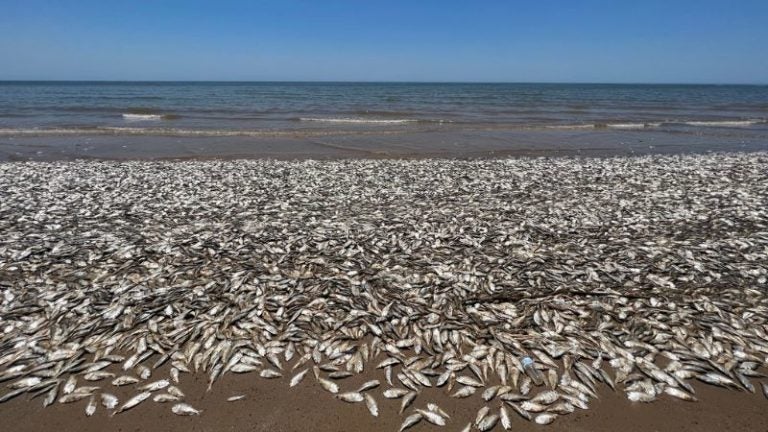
column 69, row 106
column 710, row 113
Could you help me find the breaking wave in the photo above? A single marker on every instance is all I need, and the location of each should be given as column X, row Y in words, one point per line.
column 149, row 117
column 357, row 120
column 725, row 123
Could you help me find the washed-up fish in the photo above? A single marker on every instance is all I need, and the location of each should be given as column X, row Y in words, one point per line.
column 270, row 373
column 488, row 422
column 407, row 401
column 183, row 409
column 132, row 402
column 329, row 386
column 368, row 385
column 124, row 380
column 395, row 393
column 680, row 394
column 351, row 397
column 165, row 397
column 370, row 403
column 464, row 392
column 155, row 386
column 481, row 413
column 90, row 409
column 432, row 417
column 74, row 397
column 109, row 401
column 298, row 378
column 544, row 419
column 506, row 420
column 410, row 421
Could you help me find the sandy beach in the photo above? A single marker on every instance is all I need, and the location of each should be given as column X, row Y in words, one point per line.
column 631, row 283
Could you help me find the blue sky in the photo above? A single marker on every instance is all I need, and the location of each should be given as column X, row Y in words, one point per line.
column 704, row 41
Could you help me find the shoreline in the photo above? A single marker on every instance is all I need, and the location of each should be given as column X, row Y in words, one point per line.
column 411, row 145
column 435, row 277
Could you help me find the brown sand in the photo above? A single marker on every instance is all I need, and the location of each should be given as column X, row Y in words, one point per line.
column 270, row 405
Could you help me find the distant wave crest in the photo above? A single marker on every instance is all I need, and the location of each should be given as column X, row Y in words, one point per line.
column 148, row 117
column 357, row 120
column 651, row 125
column 624, row 126
column 725, row 123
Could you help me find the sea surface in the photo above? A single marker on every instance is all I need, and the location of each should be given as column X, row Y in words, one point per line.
column 719, row 115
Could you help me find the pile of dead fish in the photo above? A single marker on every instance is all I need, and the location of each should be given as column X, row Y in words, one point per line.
column 634, row 274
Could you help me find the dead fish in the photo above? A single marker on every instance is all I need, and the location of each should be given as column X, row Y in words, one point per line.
column 521, row 412
column 183, row 409
column 124, row 380
column 368, row 385
column 546, row 397
column 235, row 398
column 270, row 373
column 109, row 401
column 488, row 422
column 298, row 378
column 410, row 421
column 165, row 397
column 481, row 413
column 155, row 386
column 680, row 394
column 716, row 379
column 531, row 406
column 243, row 368
column 144, row 372
column 490, row 392
column 90, row 409
column 506, row 420
column 464, row 392
column 70, row 385
column 635, row 396
column 432, row 417
column 73, row 397
column 26, row 383
column 370, row 403
column 132, row 402
column 351, row 397
column 407, row 400
column 545, row 419
column 329, row 386
column 435, row 408
column 12, row 394
column 395, row 393
column 469, row 381
column 173, row 390
column 98, row 376
column 50, row 396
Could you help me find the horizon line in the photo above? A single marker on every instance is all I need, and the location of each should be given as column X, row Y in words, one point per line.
column 381, row 82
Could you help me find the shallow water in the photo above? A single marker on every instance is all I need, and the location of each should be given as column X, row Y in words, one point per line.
column 413, row 117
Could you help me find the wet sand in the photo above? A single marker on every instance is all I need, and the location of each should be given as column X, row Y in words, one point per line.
column 412, row 145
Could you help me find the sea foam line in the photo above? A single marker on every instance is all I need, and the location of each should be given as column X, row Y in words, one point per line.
column 725, row 123
column 357, row 120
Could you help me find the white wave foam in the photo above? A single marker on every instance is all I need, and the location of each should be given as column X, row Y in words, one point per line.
column 357, row 120
column 575, row 126
column 724, row 123
column 632, row 125
column 169, row 132
column 142, row 117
